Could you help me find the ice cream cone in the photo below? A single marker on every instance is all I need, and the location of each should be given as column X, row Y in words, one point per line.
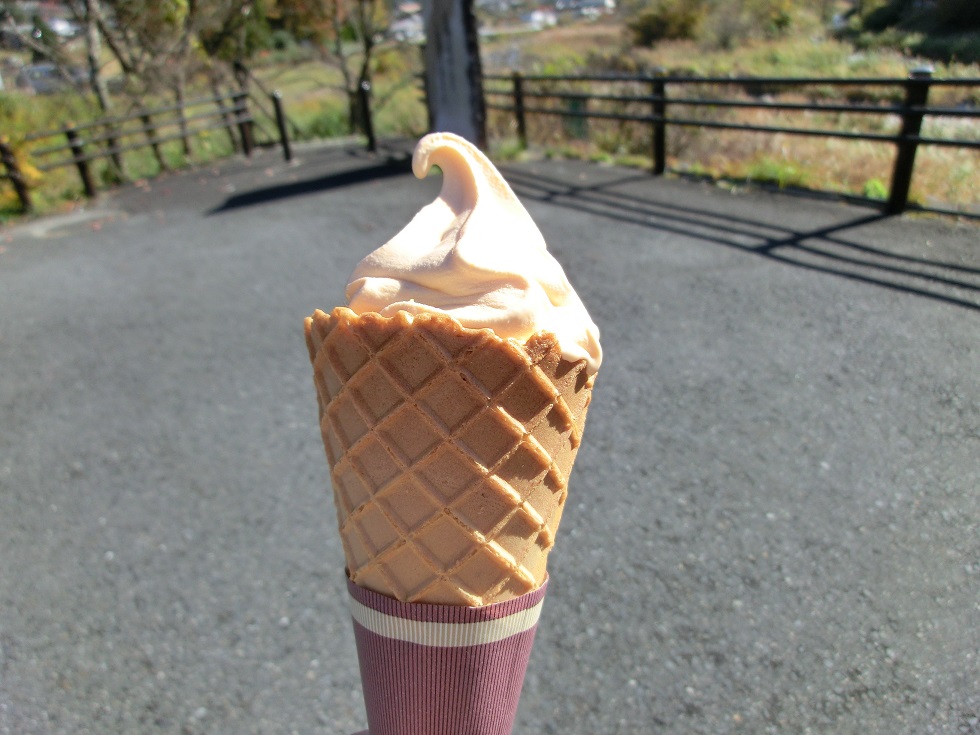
column 450, row 451
column 452, row 395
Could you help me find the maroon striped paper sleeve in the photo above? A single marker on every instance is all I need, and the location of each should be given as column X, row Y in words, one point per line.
column 442, row 669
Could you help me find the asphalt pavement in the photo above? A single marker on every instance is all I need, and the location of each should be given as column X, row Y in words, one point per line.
column 773, row 525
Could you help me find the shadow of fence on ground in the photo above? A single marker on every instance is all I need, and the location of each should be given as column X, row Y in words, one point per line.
column 378, row 169
column 832, row 249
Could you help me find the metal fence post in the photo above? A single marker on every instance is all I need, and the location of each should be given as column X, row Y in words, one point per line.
column 658, row 96
column 916, row 95
column 16, row 176
column 519, row 109
column 78, row 155
column 287, row 151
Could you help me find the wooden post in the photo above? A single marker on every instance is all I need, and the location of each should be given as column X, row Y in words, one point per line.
column 519, row 109
column 287, row 151
column 658, row 96
column 151, row 135
column 16, row 176
column 244, row 122
column 78, row 154
column 916, row 95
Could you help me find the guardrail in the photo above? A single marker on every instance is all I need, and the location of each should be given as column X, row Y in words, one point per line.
column 110, row 138
column 530, row 95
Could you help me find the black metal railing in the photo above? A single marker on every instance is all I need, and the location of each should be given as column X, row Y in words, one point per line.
column 653, row 100
column 110, row 138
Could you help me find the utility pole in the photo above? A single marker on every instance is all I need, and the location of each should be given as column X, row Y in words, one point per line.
column 453, row 74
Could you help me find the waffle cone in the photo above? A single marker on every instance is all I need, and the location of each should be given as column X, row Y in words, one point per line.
column 449, row 449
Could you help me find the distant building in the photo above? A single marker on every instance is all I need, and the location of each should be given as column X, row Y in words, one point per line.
column 540, row 18
column 586, row 8
column 407, row 23
column 407, row 28
column 408, row 8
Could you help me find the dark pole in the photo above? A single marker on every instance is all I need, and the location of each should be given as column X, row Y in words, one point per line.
column 659, row 97
column 474, row 72
column 287, row 151
column 78, row 155
column 454, row 77
column 916, row 95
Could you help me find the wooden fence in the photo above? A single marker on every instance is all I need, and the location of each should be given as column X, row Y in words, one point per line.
column 110, row 138
column 660, row 95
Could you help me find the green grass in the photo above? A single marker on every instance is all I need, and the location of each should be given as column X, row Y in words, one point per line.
column 809, row 51
column 316, row 105
column 768, row 170
column 60, row 188
column 319, row 118
column 313, row 96
column 875, row 189
column 944, row 177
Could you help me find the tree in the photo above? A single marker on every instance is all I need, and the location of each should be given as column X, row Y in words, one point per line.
column 42, row 42
column 346, row 32
column 232, row 31
column 958, row 14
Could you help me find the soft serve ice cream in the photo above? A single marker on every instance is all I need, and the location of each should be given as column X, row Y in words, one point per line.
column 475, row 254
column 453, row 392
column 452, row 397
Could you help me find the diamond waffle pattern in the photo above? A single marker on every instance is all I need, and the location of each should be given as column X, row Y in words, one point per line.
column 450, row 451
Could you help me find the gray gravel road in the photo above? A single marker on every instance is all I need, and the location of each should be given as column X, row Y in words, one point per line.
column 774, row 524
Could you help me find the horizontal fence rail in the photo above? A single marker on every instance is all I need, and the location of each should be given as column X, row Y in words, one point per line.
column 661, row 101
column 109, row 138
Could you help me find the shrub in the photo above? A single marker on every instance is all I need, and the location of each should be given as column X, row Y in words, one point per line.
column 883, row 16
column 282, row 40
column 959, row 14
column 666, row 20
column 962, row 47
column 730, row 23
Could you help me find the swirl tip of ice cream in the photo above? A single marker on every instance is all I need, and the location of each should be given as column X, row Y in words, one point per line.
column 475, row 254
